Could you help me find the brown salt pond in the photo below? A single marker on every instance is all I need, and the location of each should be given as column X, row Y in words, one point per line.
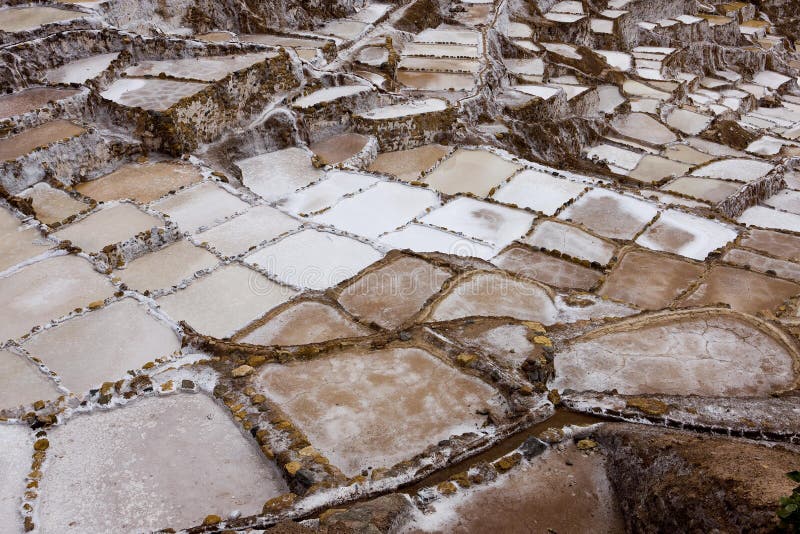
column 107, row 226
column 19, row 19
column 18, row 243
column 533, row 497
column 31, row 99
column 745, row 291
column 436, row 81
column 471, row 171
column 301, row 323
column 338, row 148
column 393, row 293
column 778, row 244
column 548, row 269
column 648, row 280
column 379, row 408
column 103, row 345
column 125, row 469
column 409, row 164
column 52, row 205
column 48, row 133
column 495, row 294
column 709, row 353
column 166, row 267
column 21, row 382
column 508, row 343
column 141, row 182
column 764, row 264
column 47, row 290
column 228, row 299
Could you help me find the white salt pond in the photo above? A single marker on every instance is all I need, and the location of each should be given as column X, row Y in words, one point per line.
column 314, row 259
column 22, row 383
column 327, row 192
column 405, row 109
column 257, row 225
column 570, row 240
column 769, row 218
column 739, row 170
column 225, row 301
column 491, row 223
column 420, row 238
column 686, row 235
column 329, row 94
column 275, row 174
column 379, row 209
column 16, row 442
column 103, row 345
column 150, row 94
column 538, row 191
column 113, row 224
column 166, row 267
column 610, row 214
column 206, row 69
column 200, row 206
column 81, row 70
column 125, row 469
column 47, row 290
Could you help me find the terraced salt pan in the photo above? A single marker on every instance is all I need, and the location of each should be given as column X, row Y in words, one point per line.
column 538, row 191
column 709, row 189
column 527, row 67
column 547, row 269
column 103, row 345
column 618, row 159
column 28, row 140
column 562, row 49
column 21, row 382
column 610, row 214
column 107, row 226
column 777, row 244
column 225, row 301
column 405, row 109
column 329, row 94
column 785, row 200
column 371, row 13
column 652, row 169
column 150, row 94
column 327, row 192
column 439, row 64
column 745, row 258
column 200, row 206
column 93, row 459
column 643, row 127
column 393, row 293
column 166, row 267
column 435, row 81
column 376, row 409
column 495, row 294
column 379, row 209
column 47, row 290
column 471, row 171
column 770, row 79
column 258, row 225
column 81, row 70
column 739, row 170
column 619, row 60
column 448, row 35
column 634, row 88
column 276, row 174
column 714, row 355
column 686, row 154
column 22, row 102
column 649, row 281
column 344, row 29
column 440, row 50
column 408, row 164
column 21, row 19
column 52, row 205
column 419, row 238
column 572, row 241
column 491, row 223
column 313, row 259
column 770, row 218
column 745, row 291
column 140, row 182
column 688, row 122
column 17, row 242
column 305, row 322
column 686, row 235
column 16, row 443
column 507, row 343
column 374, row 56
column 610, row 98
column 207, row 69
column 339, row 148
column 532, row 498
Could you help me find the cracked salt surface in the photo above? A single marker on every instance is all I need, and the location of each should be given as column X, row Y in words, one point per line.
column 715, row 355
